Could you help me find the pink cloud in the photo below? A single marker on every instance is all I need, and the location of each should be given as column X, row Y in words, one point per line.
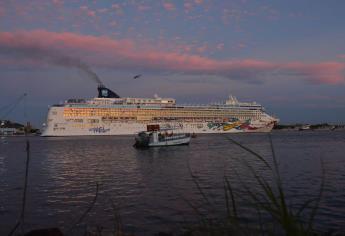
column 2, row 11
column 269, row 12
column 325, row 72
column 103, row 10
column 24, row 62
column 113, row 23
column 115, row 6
column 202, row 48
column 87, row 11
column 198, row 1
column 143, row 7
column 239, row 46
column 21, row 9
column 58, row 3
column 187, row 6
column 220, row 46
column 169, row 6
column 91, row 13
column 126, row 54
column 341, row 56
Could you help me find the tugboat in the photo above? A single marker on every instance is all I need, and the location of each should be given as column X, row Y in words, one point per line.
column 156, row 137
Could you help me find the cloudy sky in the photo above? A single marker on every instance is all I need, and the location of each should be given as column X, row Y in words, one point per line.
column 287, row 55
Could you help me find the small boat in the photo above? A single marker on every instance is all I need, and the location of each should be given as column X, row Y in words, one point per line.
column 304, row 127
column 161, row 137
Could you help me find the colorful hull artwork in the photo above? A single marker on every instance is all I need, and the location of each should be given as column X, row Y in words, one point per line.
column 231, row 126
column 226, row 126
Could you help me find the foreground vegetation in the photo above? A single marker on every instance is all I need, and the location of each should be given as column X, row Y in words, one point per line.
column 274, row 215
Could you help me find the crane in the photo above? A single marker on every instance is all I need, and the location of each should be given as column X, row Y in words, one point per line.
column 6, row 110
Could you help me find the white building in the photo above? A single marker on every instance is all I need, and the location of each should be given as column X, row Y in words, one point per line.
column 8, row 131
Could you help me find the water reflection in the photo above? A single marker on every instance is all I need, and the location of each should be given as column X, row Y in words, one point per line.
column 150, row 187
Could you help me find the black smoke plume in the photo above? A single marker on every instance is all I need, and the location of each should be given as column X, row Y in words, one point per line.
column 53, row 57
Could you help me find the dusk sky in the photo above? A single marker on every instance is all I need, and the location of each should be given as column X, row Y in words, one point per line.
column 287, row 55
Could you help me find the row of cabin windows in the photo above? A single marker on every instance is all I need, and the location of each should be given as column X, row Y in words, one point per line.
column 164, row 117
column 160, row 113
column 153, row 110
column 207, row 119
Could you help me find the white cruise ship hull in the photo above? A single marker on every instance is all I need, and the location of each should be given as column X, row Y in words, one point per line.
column 59, row 126
column 108, row 114
column 132, row 129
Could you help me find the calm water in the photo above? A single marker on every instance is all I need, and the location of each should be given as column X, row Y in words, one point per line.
column 153, row 189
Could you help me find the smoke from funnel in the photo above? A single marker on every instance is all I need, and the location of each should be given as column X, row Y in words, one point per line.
column 67, row 61
column 49, row 56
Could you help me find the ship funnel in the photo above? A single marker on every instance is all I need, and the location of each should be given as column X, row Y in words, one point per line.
column 104, row 92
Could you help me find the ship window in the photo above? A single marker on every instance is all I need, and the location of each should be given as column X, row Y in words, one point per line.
column 93, row 121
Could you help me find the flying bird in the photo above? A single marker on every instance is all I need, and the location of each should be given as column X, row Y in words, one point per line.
column 137, row 76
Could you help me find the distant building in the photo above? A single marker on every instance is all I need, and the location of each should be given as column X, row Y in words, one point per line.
column 8, row 128
column 8, row 131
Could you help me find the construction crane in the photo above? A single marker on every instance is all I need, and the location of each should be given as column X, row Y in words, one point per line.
column 6, row 110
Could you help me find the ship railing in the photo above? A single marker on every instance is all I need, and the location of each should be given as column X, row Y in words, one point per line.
column 58, row 105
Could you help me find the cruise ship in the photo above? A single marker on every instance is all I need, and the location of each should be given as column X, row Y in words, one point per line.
column 110, row 114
